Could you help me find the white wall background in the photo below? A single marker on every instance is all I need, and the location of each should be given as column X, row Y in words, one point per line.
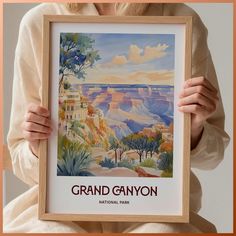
column 217, row 184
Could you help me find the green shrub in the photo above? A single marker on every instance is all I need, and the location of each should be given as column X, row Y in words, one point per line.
column 108, row 163
column 149, row 162
column 166, row 174
column 126, row 163
column 165, row 161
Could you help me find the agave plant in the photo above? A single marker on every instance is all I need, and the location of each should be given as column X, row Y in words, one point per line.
column 108, row 163
column 75, row 161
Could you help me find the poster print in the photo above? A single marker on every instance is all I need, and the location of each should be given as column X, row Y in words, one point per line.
column 116, row 105
column 119, row 150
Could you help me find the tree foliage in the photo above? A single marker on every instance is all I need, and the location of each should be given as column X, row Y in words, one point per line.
column 114, row 145
column 153, row 144
column 76, row 55
column 142, row 144
column 166, row 147
column 137, row 142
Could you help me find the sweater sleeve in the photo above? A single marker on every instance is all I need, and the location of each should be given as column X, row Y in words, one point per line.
column 26, row 90
column 210, row 149
column 27, row 87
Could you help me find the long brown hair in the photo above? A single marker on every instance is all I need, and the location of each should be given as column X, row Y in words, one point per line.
column 134, row 9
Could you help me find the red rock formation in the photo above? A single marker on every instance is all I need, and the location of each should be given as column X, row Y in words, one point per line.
column 142, row 173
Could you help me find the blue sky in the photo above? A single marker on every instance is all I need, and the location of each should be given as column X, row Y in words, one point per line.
column 110, row 45
column 132, row 59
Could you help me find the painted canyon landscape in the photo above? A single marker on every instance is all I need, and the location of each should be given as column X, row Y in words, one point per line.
column 116, row 105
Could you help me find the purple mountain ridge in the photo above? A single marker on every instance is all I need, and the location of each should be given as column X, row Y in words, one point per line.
column 130, row 108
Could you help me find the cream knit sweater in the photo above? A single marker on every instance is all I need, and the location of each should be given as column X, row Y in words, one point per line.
column 27, row 89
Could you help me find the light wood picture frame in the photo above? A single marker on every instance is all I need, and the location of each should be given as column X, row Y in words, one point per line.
column 151, row 56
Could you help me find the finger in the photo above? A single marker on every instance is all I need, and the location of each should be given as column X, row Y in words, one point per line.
column 33, row 127
column 42, row 111
column 198, row 89
column 197, row 98
column 195, row 109
column 32, row 117
column 200, row 81
column 32, row 136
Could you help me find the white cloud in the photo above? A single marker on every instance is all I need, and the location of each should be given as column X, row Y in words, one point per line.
column 137, row 55
column 119, row 60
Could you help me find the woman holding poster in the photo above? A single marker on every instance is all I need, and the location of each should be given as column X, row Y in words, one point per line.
column 31, row 123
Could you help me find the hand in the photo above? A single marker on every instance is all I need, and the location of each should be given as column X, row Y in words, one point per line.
column 36, row 126
column 198, row 97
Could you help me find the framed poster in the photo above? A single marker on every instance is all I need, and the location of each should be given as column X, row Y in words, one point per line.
column 120, row 149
